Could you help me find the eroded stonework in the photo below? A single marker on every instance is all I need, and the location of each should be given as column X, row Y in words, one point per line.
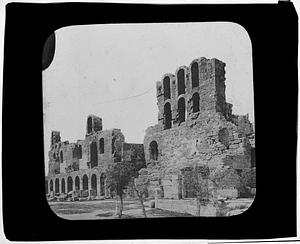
column 83, row 165
column 195, row 127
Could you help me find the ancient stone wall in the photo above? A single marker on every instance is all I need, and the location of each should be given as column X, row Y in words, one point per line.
column 195, row 126
column 83, row 165
column 99, row 148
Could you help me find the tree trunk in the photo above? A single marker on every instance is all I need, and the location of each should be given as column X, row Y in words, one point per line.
column 142, row 204
column 141, row 200
column 198, row 206
column 121, row 206
column 117, row 207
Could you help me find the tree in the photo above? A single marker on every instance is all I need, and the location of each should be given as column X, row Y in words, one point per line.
column 118, row 177
column 225, row 176
column 140, row 186
column 248, row 181
column 203, row 181
column 198, row 184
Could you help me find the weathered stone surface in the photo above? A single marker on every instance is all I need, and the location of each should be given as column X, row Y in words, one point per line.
column 203, row 132
column 195, row 127
column 69, row 163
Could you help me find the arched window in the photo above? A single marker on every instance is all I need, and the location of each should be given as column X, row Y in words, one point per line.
column 85, row 182
column 102, row 184
column 195, row 100
column 61, row 157
column 69, row 184
column 167, row 91
column 89, row 125
column 79, row 151
column 153, row 150
column 94, row 183
column 180, row 82
column 167, row 116
column 94, row 154
column 195, row 75
column 101, row 145
column 77, row 183
column 56, row 185
column 51, row 185
column 181, row 110
column 63, row 186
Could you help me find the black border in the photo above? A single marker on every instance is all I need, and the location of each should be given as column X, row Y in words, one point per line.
column 273, row 30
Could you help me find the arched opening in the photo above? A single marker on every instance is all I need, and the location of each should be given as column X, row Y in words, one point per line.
column 153, row 150
column 167, row 91
column 56, row 185
column 181, row 110
column 180, row 82
column 80, row 151
column 195, row 75
column 101, row 145
column 85, row 182
column 195, row 100
column 94, row 154
column 69, row 184
column 77, row 183
column 51, row 185
column 46, row 186
column 61, row 157
column 167, row 116
column 102, row 184
column 63, row 186
column 94, row 183
column 89, row 125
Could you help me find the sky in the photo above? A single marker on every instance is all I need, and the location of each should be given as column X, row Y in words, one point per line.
column 111, row 71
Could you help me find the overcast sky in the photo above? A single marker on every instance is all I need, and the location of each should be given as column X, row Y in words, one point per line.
column 111, row 71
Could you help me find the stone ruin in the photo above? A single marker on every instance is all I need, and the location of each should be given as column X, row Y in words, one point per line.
column 82, row 166
column 196, row 126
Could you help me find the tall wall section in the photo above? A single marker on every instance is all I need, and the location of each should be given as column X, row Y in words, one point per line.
column 195, row 125
column 98, row 149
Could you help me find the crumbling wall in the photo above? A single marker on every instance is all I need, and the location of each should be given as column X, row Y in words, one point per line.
column 65, row 157
column 133, row 152
column 198, row 143
column 210, row 134
column 210, row 88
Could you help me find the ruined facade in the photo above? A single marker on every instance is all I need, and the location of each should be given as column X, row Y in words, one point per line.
column 195, row 127
column 83, row 165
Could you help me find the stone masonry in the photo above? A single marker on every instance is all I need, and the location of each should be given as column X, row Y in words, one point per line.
column 82, row 165
column 195, row 127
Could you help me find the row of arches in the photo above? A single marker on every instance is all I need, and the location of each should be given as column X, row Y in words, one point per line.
column 181, row 81
column 65, row 185
column 181, row 108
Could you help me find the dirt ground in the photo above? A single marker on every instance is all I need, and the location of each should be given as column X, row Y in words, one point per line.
column 105, row 209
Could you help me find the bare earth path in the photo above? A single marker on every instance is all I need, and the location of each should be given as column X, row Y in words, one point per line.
column 105, row 209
